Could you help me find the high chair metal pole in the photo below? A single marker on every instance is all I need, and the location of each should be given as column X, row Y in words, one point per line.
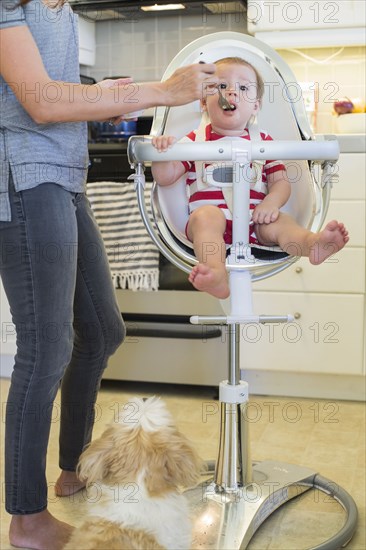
column 234, row 352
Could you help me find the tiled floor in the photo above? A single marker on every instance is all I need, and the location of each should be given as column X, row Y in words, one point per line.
column 327, row 436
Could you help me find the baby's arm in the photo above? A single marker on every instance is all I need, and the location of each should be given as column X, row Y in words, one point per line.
column 279, row 191
column 166, row 172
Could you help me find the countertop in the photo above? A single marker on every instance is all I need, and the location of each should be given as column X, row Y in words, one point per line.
column 351, row 143
column 348, row 143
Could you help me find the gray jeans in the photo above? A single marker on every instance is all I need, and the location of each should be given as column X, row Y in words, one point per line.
column 56, row 276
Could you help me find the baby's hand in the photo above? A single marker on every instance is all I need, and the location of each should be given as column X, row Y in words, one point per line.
column 163, row 143
column 265, row 212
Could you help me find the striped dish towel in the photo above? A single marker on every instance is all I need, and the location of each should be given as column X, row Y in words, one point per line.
column 133, row 258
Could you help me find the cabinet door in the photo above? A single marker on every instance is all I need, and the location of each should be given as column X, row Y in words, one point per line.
column 87, row 42
column 284, row 15
column 326, row 336
column 352, row 214
column 344, row 272
column 351, row 173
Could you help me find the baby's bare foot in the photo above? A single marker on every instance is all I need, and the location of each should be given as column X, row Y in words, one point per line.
column 329, row 241
column 210, row 280
column 68, row 484
column 39, row 531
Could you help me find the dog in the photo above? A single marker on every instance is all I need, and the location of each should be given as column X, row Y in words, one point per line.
column 135, row 470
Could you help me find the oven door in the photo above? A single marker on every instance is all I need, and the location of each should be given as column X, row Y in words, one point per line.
column 161, row 344
column 108, row 162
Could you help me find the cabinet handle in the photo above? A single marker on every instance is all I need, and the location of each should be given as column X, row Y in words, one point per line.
column 298, row 270
column 297, row 315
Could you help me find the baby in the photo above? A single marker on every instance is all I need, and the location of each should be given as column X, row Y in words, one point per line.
column 210, row 219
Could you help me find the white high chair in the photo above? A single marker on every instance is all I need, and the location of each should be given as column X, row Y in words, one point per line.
column 228, row 509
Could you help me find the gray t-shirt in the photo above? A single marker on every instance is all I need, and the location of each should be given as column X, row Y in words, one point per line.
column 38, row 153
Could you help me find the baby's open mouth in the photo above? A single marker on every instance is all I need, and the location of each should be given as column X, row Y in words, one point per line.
column 229, row 107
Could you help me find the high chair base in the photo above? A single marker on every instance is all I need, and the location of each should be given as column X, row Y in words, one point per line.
column 229, row 508
column 229, row 519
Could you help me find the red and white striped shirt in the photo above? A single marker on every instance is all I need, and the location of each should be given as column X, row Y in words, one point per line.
column 214, row 195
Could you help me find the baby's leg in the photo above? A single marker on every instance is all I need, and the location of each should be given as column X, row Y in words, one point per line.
column 298, row 241
column 205, row 229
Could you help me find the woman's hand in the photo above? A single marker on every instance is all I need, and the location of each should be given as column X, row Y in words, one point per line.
column 163, row 143
column 189, row 83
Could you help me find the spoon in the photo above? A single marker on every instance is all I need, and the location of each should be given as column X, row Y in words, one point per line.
column 224, row 104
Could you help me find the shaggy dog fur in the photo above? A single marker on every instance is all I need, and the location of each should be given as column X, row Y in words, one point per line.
column 136, row 468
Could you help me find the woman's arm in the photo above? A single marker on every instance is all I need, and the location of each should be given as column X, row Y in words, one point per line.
column 22, row 68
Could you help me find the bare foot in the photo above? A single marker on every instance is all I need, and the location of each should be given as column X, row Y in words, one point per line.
column 39, row 531
column 329, row 241
column 68, row 484
column 210, row 280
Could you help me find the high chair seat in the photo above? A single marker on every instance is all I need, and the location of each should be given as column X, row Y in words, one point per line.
column 282, row 115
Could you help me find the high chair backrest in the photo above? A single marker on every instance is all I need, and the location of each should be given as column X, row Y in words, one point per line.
column 282, row 115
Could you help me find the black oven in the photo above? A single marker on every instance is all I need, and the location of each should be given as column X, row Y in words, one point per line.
column 108, row 162
column 108, row 155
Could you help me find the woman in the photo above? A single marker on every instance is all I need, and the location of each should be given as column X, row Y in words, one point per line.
column 53, row 263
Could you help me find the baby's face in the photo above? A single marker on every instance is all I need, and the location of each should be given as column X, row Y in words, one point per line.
column 238, row 84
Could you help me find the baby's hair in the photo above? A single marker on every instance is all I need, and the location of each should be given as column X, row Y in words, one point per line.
column 241, row 61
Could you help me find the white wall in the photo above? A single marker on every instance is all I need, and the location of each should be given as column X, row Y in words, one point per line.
column 144, row 48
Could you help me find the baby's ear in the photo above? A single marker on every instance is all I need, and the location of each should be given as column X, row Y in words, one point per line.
column 257, row 105
column 203, row 105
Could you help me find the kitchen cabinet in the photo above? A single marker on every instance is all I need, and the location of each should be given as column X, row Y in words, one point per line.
column 322, row 353
column 281, row 23
column 87, row 42
column 280, row 15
